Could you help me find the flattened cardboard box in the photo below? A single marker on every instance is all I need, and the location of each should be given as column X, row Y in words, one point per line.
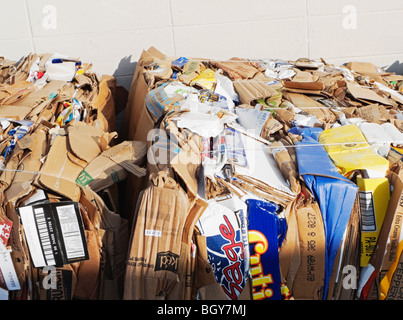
column 55, row 233
column 113, row 165
column 394, row 291
column 59, row 172
column 188, row 250
column 381, row 254
column 365, row 94
column 114, row 233
column 205, row 282
column 68, row 155
column 155, row 246
column 309, row 280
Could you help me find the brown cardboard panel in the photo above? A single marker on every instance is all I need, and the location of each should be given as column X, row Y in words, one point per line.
column 311, row 106
column 237, row 69
column 318, row 86
column 14, row 112
column 58, row 172
column 250, row 91
column 309, row 280
column 113, row 165
column 155, row 247
column 362, row 93
column 85, row 140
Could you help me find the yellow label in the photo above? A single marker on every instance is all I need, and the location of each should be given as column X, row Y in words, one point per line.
column 387, row 280
column 349, row 150
column 374, row 195
column 206, row 79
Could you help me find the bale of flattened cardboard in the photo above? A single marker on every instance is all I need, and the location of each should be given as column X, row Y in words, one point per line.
column 58, row 140
column 222, row 130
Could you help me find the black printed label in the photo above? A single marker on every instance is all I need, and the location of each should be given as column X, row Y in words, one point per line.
column 167, row 261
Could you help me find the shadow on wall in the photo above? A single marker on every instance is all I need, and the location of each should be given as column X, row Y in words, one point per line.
column 124, row 75
column 396, row 67
column 125, row 71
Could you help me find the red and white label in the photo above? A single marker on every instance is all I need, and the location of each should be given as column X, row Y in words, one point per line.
column 5, row 229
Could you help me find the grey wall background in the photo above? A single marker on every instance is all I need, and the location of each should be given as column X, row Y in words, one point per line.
column 112, row 34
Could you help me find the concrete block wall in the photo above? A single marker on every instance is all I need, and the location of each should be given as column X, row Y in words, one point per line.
column 112, row 33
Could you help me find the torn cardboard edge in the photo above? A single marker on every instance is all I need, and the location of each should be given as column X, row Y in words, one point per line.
column 113, row 165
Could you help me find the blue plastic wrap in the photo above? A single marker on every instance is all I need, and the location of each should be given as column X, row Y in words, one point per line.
column 334, row 193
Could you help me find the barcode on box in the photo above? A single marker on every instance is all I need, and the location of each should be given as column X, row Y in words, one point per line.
column 44, row 236
column 54, row 233
column 368, row 221
column 32, row 236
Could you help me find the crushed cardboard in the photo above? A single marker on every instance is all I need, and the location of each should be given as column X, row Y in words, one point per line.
column 41, row 158
column 294, row 93
column 197, row 134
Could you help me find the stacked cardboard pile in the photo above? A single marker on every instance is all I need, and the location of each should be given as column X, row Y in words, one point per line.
column 59, row 160
column 266, row 179
column 236, row 179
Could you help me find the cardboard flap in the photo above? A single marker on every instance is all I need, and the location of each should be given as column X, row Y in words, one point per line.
column 133, row 168
column 250, row 91
column 112, row 165
column 85, row 141
column 395, row 208
column 289, row 254
column 76, row 160
column 156, row 243
column 156, row 53
column 83, row 80
column 105, row 105
column 88, row 272
column 186, row 164
column 311, row 106
column 106, row 139
column 318, row 86
column 11, row 93
column 309, row 279
column 304, row 80
column 366, row 68
column 237, row 69
column 304, row 76
column 14, row 112
column 359, row 92
column 195, row 212
column 58, row 172
column 127, row 151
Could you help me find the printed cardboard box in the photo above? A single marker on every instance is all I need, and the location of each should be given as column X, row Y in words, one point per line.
column 155, row 245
